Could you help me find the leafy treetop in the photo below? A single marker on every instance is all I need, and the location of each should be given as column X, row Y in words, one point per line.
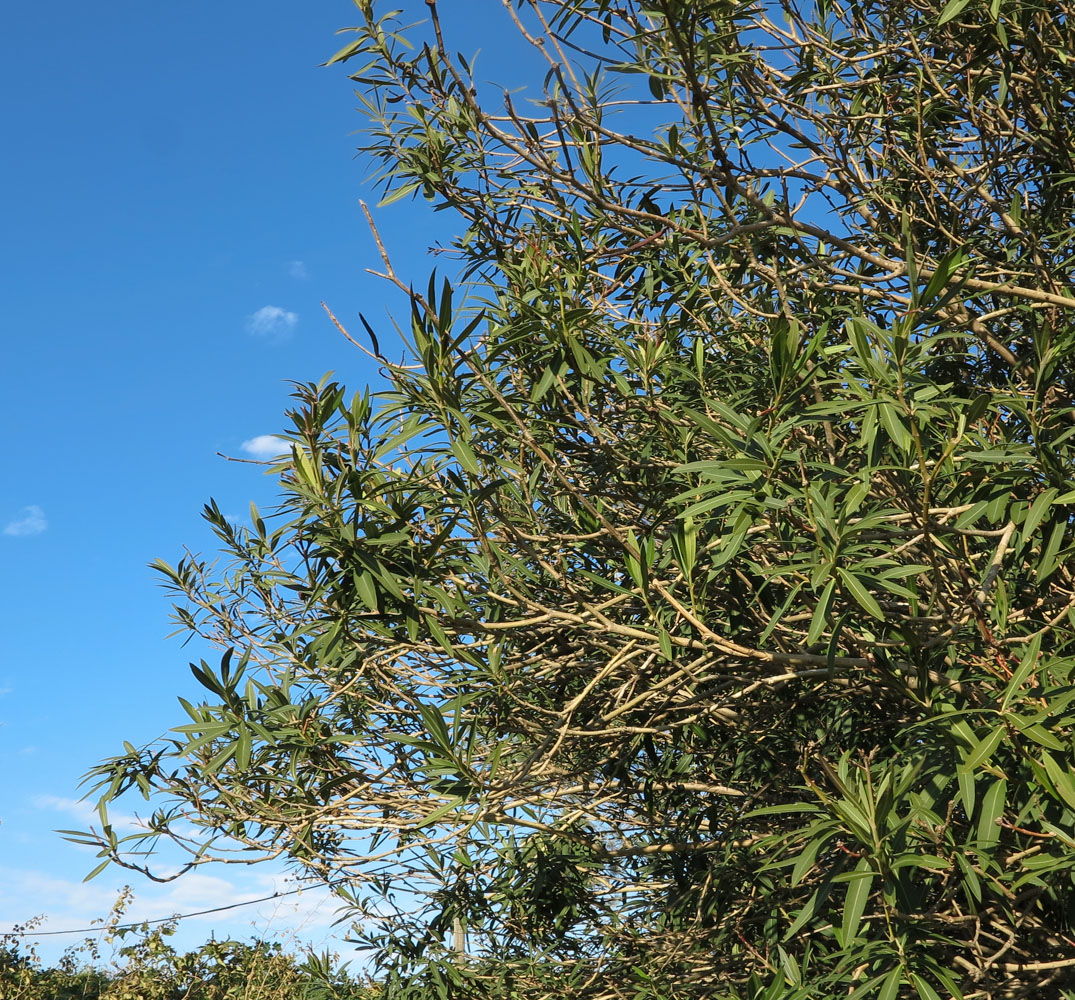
column 693, row 614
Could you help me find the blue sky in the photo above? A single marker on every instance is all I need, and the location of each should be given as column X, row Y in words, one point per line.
column 181, row 192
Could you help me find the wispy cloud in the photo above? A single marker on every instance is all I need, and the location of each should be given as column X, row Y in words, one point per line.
column 266, row 446
column 30, row 521
column 298, row 270
column 271, row 320
column 294, row 920
column 85, row 812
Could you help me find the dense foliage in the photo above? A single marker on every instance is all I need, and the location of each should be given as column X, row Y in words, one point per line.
column 694, row 615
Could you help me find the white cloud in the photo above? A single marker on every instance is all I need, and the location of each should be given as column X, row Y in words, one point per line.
column 297, row 269
column 85, row 812
column 294, row 920
column 30, row 521
column 270, row 320
column 79, row 809
column 266, row 446
column 306, row 909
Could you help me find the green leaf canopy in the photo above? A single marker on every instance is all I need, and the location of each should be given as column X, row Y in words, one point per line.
column 693, row 615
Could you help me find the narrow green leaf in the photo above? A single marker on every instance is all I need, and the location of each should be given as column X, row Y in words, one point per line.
column 834, row 644
column 821, row 613
column 891, row 986
column 1048, row 561
column 810, row 910
column 792, row 973
column 1042, row 736
column 439, row 813
column 862, row 596
column 1027, row 664
column 984, row 750
column 858, row 894
column 860, row 330
column 440, row 635
column 367, row 591
column 805, row 860
column 1060, row 777
column 398, row 193
column 97, row 871
column 242, row 749
column 345, row 53
column 992, row 810
column 219, row 760
column 1038, row 509
column 306, row 468
column 466, row 456
column 925, row 991
column 951, row 10
column 930, row 862
column 892, row 421
column 967, row 790
column 435, row 724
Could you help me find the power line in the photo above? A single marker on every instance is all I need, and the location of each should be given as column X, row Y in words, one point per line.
column 165, row 920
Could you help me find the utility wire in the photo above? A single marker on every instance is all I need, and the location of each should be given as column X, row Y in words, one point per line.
column 164, row 920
